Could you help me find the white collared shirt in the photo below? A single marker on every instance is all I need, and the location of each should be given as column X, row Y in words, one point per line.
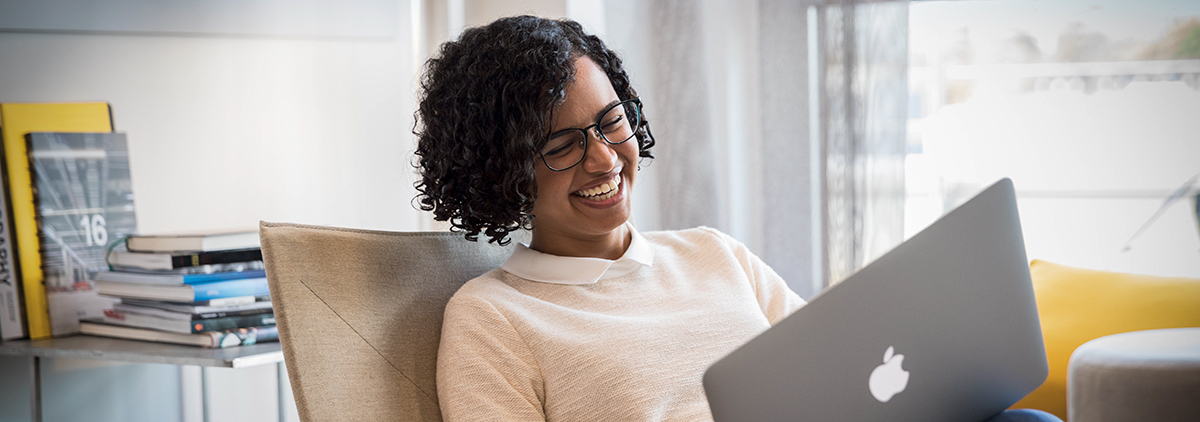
column 632, row 348
column 546, row 268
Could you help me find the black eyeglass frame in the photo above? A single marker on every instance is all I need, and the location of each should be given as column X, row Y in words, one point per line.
column 635, row 126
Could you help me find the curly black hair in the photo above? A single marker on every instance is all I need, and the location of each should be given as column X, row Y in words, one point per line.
column 485, row 113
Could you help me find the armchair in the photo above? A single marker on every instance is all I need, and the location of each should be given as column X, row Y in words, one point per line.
column 358, row 321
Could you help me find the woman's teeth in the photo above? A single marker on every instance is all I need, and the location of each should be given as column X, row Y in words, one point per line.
column 602, row 192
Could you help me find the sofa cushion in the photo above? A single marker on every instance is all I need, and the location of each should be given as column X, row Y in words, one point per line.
column 1078, row 305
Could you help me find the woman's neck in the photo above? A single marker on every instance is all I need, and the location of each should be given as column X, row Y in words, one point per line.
column 611, row 245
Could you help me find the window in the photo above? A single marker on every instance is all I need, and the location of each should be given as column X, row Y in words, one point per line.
column 1091, row 107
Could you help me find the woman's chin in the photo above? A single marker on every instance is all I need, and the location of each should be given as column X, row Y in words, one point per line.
column 605, row 215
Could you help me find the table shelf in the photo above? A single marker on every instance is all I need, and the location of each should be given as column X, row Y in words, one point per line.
column 136, row 351
column 105, row 348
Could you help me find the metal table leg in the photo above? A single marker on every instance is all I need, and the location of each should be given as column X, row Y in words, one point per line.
column 35, row 392
column 279, row 373
column 204, row 394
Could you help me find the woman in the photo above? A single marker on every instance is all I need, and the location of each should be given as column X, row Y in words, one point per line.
column 531, row 123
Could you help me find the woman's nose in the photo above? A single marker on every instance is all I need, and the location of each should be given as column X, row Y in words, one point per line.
column 601, row 157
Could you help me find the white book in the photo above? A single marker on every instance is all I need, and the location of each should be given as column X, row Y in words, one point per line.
column 198, row 242
column 172, row 279
column 152, row 322
column 209, row 339
column 241, row 303
column 226, row 338
column 12, row 317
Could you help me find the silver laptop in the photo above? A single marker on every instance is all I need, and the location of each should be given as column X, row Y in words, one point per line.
column 942, row 328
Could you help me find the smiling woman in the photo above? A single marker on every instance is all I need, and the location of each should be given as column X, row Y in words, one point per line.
column 580, row 210
column 488, row 106
column 529, row 123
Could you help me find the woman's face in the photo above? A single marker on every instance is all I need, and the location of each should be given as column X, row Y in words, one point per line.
column 577, row 202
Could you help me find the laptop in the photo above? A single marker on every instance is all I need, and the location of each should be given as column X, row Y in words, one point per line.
column 942, row 328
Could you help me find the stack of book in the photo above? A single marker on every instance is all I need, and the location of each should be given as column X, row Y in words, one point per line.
column 207, row 289
column 66, row 201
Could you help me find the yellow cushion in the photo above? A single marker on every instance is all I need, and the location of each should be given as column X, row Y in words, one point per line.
column 1077, row 305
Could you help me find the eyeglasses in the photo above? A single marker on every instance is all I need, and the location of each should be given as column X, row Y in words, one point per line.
column 618, row 124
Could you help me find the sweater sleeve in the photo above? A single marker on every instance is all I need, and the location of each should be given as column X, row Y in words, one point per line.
column 485, row 370
column 776, row 299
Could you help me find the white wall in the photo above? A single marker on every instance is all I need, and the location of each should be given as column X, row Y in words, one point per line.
column 224, row 132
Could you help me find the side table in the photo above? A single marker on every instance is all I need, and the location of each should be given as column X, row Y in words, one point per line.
column 104, row 348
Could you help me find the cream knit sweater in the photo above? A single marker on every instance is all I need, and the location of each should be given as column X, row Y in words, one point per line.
column 629, row 348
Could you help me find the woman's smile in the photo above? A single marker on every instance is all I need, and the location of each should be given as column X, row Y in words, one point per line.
column 602, row 195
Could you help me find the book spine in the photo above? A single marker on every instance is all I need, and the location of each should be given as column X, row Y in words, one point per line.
column 244, row 336
column 222, row 314
column 203, row 269
column 128, row 319
column 176, row 279
column 216, row 303
column 12, row 316
column 24, row 218
column 229, row 323
column 229, row 301
column 230, row 288
column 209, row 258
column 209, row 278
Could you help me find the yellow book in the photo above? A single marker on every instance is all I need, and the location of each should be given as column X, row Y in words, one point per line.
column 17, row 119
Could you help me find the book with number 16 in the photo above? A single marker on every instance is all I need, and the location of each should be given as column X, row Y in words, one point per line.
column 84, row 201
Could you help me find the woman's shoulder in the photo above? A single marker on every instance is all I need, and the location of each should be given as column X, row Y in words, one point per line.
column 696, row 236
column 484, row 288
column 694, row 244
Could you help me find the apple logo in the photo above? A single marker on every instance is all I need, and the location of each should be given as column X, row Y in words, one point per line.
column 888, row 379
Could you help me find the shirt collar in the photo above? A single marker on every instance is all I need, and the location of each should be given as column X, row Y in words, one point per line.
column 546, row 268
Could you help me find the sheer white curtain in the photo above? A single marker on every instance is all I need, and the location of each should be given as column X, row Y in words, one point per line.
column 779, row 122
column 716, row 107
column 864, row 53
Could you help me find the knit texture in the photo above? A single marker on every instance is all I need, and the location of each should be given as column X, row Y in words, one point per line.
column 630, row 348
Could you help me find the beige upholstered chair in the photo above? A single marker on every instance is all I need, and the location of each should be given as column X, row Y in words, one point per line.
column 360, row 315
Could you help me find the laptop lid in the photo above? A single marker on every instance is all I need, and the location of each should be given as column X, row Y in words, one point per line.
column 942, row 328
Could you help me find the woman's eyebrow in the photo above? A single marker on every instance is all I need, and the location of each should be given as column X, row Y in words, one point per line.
column 600, row 114
column 560, row 132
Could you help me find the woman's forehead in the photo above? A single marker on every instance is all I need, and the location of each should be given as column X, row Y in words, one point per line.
column 586, row 95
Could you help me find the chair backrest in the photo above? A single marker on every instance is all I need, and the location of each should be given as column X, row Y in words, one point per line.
column 360, row 315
